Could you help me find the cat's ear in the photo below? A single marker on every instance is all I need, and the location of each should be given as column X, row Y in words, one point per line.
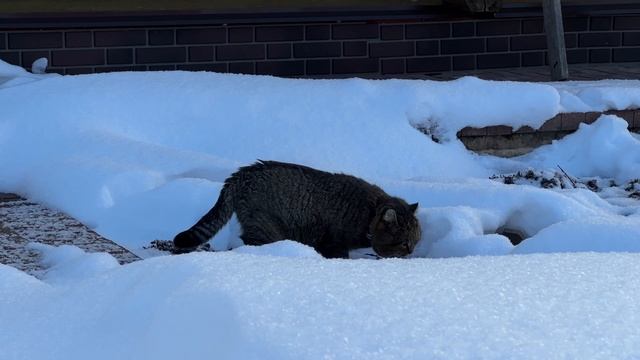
column 390, row 216
column 413, row 207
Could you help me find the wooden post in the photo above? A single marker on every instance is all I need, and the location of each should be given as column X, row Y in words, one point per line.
column 556, row 49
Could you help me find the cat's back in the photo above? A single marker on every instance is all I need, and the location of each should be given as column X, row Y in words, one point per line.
column 294, row 180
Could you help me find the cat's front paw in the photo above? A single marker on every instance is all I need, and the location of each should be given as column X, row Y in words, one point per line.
column 186, row 240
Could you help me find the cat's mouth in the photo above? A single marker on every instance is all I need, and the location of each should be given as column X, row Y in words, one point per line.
column 391, row 251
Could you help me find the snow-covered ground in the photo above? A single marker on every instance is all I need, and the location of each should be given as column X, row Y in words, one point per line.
column 140, row 156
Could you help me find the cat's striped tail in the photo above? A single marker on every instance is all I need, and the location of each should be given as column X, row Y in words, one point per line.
column 210, row 223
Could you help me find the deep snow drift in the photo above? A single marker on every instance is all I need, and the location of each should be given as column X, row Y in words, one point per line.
column 141, row 156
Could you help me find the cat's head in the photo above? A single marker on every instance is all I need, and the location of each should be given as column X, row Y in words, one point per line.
column 395, row 230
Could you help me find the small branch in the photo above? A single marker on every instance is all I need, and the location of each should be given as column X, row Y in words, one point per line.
column 573, row 182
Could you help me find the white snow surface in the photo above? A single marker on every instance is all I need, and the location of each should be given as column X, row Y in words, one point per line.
column 238, row 306
column 141, row 156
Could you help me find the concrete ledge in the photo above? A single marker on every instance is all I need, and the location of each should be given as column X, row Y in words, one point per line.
column 505, row 141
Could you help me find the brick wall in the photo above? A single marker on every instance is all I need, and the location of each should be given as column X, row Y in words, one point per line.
column 370, row 48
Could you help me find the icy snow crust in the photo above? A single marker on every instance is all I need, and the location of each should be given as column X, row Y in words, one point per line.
column 141, row 156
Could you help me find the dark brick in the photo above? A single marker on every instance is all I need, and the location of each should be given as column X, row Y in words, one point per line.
column 11, row 57
column 160, row 55
column 221, row 68
column 120, row 37
column 462, row 46
column 599, row 39
column 78, row 71
column 201, row 53
column 354, row 48
column 77, row 57
column 492, row 61
column 463, row 29
column 553, row 124
column 570, row 40
column 392, row 49
column 626, row 54
column 106, row 69
column 162, row 67
column 52, row 70
column 201, row 36
column 600, row 23
column 533, row 26
column 429, row 64
column 28, row 57
column 393, row 66
column 317, row 32
column 76, row 39
column 3, row 41
column 279, row 51
column 355, row 31
column 279, row 33
column 316, row 49
column 600, row 55
column 355, row 66
column 392, row 32
column 318, row 67
column 498, row 27
column 631, row 38
column 161, row 37
column 429, row 47
column 240, row 52
column 119, row 56
column 280, row 68
column 466, row 62
column 535, row 58
column 626, row 23
column 576, row 24
column 528, row 42
column 35, row 40
column 578, row 56
column 248, row 68
column 497, row 44
column 240, row 35
column 428, row 31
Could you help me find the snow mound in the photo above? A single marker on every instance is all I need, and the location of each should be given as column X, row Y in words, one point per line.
column 604, row 148
column 284, row 248
column 67, row 263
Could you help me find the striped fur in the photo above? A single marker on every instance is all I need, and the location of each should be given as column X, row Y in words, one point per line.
column 331, row 212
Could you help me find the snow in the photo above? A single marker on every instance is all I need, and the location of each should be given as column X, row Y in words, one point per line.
column 141, row 156
column 604, row 149
column 230, row 305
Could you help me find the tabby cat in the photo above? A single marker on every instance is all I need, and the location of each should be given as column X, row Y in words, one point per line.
column 333, row 213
